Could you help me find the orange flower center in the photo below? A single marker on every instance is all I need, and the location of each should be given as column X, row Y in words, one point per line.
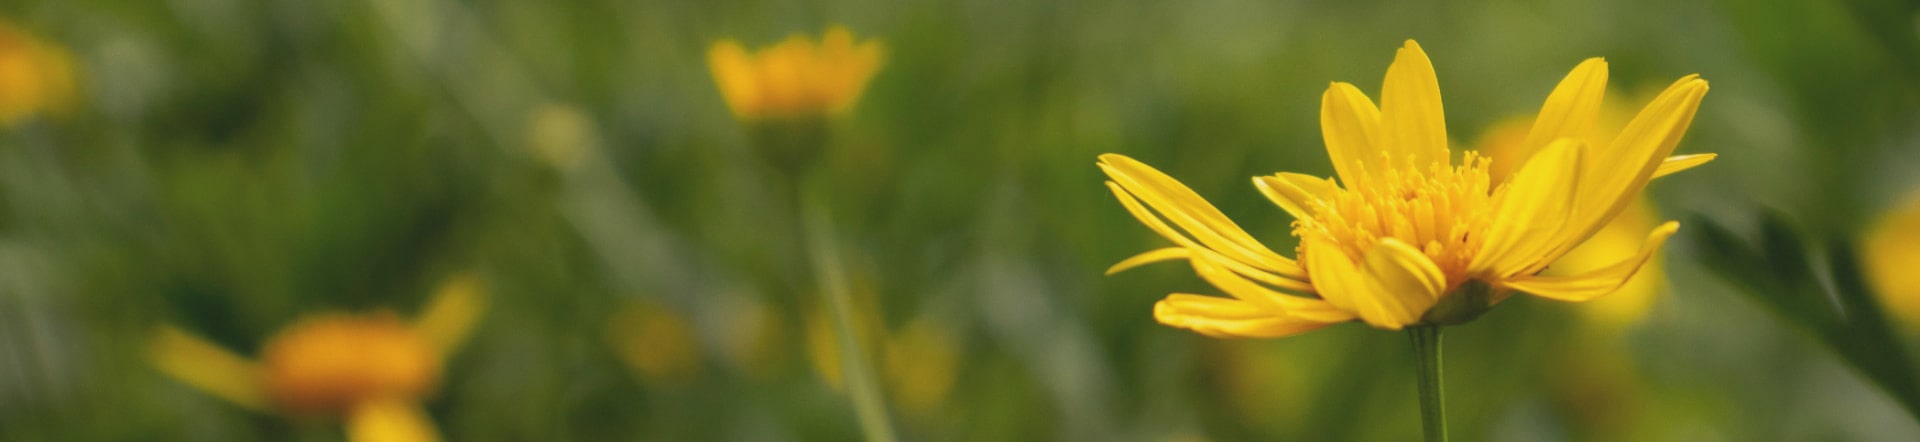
column 328, row 364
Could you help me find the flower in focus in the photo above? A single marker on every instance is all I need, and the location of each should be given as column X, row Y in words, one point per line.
column 35, row 76
column 1406, row 235
column 795, row 78
column 1888, row 257
column 372, row 369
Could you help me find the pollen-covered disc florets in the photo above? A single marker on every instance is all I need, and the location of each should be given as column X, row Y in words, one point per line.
column 1435, row 210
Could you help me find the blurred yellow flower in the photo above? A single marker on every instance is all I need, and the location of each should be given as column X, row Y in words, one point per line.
column 795, row 78
column 559, row 135
column 1617, row 240
column 1890, row 256
column 823, row 351
column 330, row 362
column 758, row 340
column 371, row 368
column 918, row 363
column 659, row 345
column 1406, row 236
column 36, row 76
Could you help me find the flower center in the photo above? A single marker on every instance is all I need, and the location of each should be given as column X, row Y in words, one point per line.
column 331, row 363
column 1436, row 210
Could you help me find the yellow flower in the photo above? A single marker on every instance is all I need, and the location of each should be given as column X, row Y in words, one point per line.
column 1889, row 255
column 35, row 76
column 328, row 363
column 795, row 78
column 372, row 369
column 1406, row 236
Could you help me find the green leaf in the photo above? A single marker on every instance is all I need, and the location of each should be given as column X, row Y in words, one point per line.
column 1790, row 279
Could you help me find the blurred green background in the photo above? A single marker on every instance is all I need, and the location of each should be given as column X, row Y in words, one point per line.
column 230, row 166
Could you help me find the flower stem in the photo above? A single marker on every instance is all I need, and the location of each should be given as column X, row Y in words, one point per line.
column 868, row 404
column 1426, row 357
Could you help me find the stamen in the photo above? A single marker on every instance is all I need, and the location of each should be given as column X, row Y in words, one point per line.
column 1433, row 208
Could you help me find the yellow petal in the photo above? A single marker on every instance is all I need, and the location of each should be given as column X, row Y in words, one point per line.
column 1677, row 163
column 1350, row 125
column 1152, row 222
column 1149, row 257
column 1570, row 111
column 1620, row 171
column 1620, row 239
column 1245, row 290
column 1326, row 261
column 1412, row 122
column 734, row 73
column 1597, row 283
column 837, row 40
column 846, row 67
column 390, row 420
column 1227, row 318
column 206, row 366
column 1193, row 214
column 1365, row 291
column 1406, row 273
column 1533, row 208
column 450, row 316
column 1296, row 193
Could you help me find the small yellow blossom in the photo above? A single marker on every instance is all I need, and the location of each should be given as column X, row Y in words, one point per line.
column 1406, row 235
column 560, row 135
column 331, row 362
column 918, row 363
column 823, row 350
column 659, row 345
column 795, row 78
column 36, row 76
column 1890, row 256
column 758, row 341
column 372, row 369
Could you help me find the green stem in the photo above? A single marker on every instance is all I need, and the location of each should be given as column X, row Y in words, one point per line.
column 1426, row 358
column 868, row 404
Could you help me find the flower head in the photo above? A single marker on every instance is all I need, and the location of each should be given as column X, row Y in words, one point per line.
column 329, row 363
column 795, row 78
column 1406, row 235
column 372, row 369
column 35, row 76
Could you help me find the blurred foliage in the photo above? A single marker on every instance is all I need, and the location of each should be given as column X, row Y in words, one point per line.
column 1817, row 285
